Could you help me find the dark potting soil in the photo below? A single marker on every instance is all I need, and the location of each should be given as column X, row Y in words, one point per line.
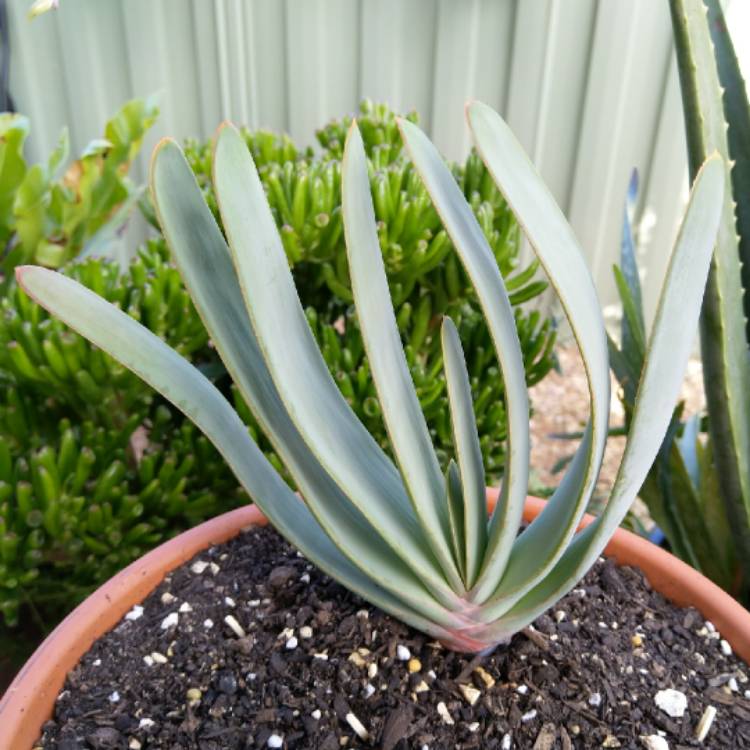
column 306, row 664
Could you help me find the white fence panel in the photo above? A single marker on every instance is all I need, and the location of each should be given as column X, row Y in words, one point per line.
column 589, row 86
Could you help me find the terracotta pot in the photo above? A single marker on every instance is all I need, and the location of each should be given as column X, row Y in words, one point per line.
column 29, row 700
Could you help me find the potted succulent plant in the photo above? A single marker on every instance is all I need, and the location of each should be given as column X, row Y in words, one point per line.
column 410, row 537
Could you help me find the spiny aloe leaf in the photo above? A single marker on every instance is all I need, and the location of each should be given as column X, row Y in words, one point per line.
column 667, row 355
column 481, row 267
column 726, row 365
column 339, row 440
column 402, row 413
column 179, row 382
column 542, row 544
column 468, row 451
column 737, row 115
column 206, row 266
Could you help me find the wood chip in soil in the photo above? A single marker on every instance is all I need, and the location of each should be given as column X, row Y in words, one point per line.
column 249, row 646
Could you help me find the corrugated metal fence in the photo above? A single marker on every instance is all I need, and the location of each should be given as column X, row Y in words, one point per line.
column 589, row 86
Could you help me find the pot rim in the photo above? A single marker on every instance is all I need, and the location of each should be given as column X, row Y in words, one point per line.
column 28, row 701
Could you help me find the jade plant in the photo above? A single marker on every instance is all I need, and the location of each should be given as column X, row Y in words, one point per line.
column 77, row 508
column 425, row 277
column 413, row 537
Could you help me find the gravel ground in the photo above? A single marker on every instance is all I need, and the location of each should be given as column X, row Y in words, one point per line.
column 561, row 405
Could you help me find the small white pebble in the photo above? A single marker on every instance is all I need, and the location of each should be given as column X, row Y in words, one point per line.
column 654, row 742
column 672, row 702
column 372, row 669
column 473, row 726
column 208, row 623
column 595, row 700
column 254, row 602
column 357, row 726
column 710, row 626
column 470, row 693
column 422, row 687
column 251, row 676
column 363, row 613
column 705, row 723
column 145, row 723
column 214, row 568
column 369, row 690
column 306, row 631
column 581, row 593
column 229, row 601
column 158, row 658
column 149, row 661
column 559, row 617
column 747, row 694
column 602, row 625
column 403, row 653
column 168, row 598
column 442, row 709
column 275, row 741
column 134, row 744
column 286, row 633
column 134, row 613
column 522, row 689
column 733, row 686
column 323, row 655
column 425, row 747
column 506, row 741
column 114, row 697
column 305, row 578
column 185, row 608
column 431, row 674
column 291, row 644
column 198, row 567
column 529, row 716
column 726, row 649
column 170, row 621
column 316, row 714
column 231, row 621
column 97, row 663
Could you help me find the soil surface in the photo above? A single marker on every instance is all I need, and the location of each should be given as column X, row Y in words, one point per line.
column 306, row 664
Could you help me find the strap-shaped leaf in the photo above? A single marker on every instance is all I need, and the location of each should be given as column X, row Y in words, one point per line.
column 204, row 261
column 480, row 264
column 454, row 493
column 339, row 440
column 402, row 413
column 668, row 352
column 179, row 382
column 468, row 450
column 541, row 545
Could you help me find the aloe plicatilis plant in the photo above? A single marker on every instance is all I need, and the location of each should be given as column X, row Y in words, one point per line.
column 410, row 536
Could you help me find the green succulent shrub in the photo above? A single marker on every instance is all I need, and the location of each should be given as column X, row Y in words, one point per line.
column 304, row 192
column 425, row 279
column 49, row 219
column 413, row 537
column 698, row 489
column 39, row 355
column 49, row 375
column 80, row 507
column 79, row 499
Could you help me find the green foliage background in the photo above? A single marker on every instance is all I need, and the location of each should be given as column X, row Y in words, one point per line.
column 94, row 467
